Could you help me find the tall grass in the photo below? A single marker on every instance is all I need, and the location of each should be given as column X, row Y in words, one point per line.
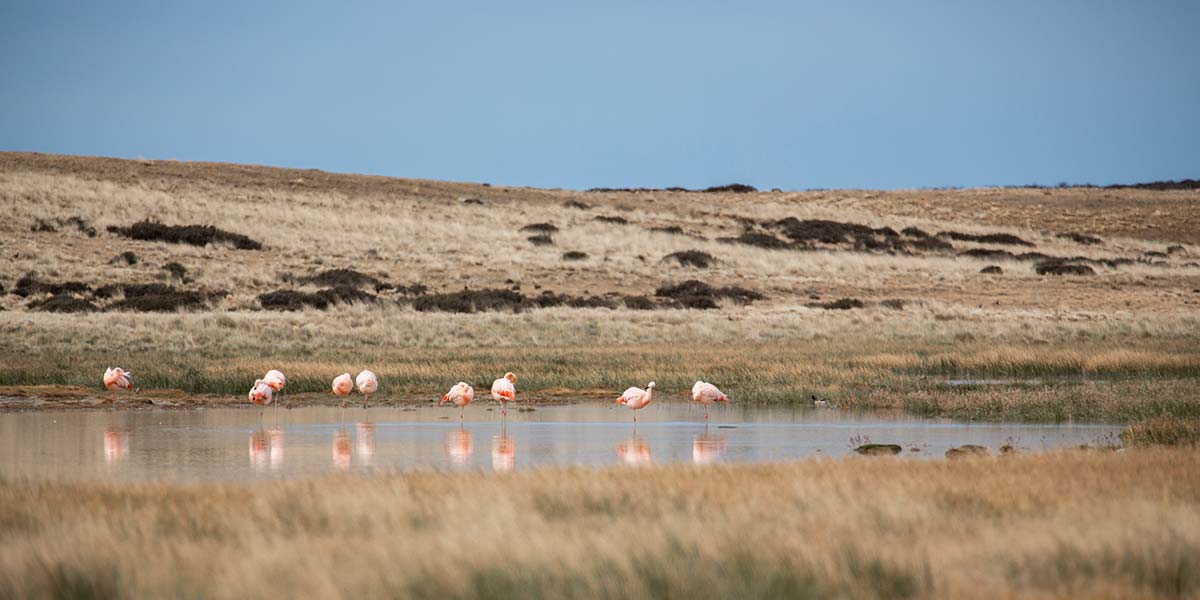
column 1057, row 525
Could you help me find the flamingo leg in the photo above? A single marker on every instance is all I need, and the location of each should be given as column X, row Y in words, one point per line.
column 366, row 400
column 462, row 411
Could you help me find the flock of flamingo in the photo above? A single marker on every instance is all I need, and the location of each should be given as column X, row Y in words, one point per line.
column 461, row 394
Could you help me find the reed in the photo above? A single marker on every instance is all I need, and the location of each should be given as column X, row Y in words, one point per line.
column 1068, row 524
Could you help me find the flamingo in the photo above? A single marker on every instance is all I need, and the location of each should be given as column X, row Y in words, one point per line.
column 342, row 386
column 276, row 380
column 367, row 384
column 261, row 394
column 819, row 403
column 116, row 378
column 707, row 393
column 461, row 395
column 503, row 391
column 636, row 398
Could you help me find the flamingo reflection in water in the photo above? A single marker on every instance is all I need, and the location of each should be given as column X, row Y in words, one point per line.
column 634, row 451
column 504, row 452
column 260, row 449
column 266, row 449
column 364, row 437
column 707, row 448
column 116, row 445
column 341, row 450
column 276, row 435
column 459, row 446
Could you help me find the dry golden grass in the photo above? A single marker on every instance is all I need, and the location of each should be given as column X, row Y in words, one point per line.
column 1099, row 525
column 1135, row 324
column 411, row 231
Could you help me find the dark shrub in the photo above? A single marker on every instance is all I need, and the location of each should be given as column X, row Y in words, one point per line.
column 195, row 235
column 736, row 188
column 469, row 301
column 540, row 227
column 759, row 240
column 1062, row 268
column 613, row 220
column 842, row 304
column 574, row 255
column 693, row 258
column 342, row 277
column 176, row 270
column 990, row 238
column 1079, row 238
column 541, row 240
column 991, row 270
column 63, row 303
column 127, row 257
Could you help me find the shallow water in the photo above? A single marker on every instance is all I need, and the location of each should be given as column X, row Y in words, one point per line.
column 230, row 445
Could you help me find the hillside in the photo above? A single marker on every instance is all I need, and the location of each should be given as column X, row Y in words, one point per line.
column 408, row 239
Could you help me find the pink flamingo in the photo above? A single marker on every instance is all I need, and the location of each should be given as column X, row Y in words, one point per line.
column 261, row 394
column 342, row 386
column 277, row 381
column 707, row 393
column 116, row 378
column 461, row 395
column 503, row 391
column 636, row 398
column 367, row 384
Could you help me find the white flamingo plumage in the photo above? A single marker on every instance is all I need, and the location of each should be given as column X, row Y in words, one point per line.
column 367, row 383
column 116, row 378
column 504, row 391
column 636, row 398
column 342, row 386
column 461, row 395
column 706, row 393
column 261, row 395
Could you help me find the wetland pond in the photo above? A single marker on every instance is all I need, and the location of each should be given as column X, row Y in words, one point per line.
column 228, row 444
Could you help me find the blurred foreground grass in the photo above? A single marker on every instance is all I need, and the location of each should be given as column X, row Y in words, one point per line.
column 1069, row 524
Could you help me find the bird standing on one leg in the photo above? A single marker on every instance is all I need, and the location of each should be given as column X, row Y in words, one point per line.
column 461, row 395
column 367, row 384
column 342, row 386
column 261, row 395
column 707, row 393
column 504, row 391
column 277, row 381
column 116, row 378
column 636, row 398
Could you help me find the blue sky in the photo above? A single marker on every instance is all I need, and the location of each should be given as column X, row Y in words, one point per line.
column 570, row 94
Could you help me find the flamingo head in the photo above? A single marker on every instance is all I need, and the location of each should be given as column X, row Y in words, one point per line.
column 620, row 400
column 509, row 376
column 650, row 386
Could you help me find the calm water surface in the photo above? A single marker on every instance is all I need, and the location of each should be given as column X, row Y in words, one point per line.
column 229, row 444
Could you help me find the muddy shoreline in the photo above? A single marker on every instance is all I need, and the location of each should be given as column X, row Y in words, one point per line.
column 46, row 398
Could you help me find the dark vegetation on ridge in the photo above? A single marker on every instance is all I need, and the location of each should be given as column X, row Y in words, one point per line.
column 195, row 235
